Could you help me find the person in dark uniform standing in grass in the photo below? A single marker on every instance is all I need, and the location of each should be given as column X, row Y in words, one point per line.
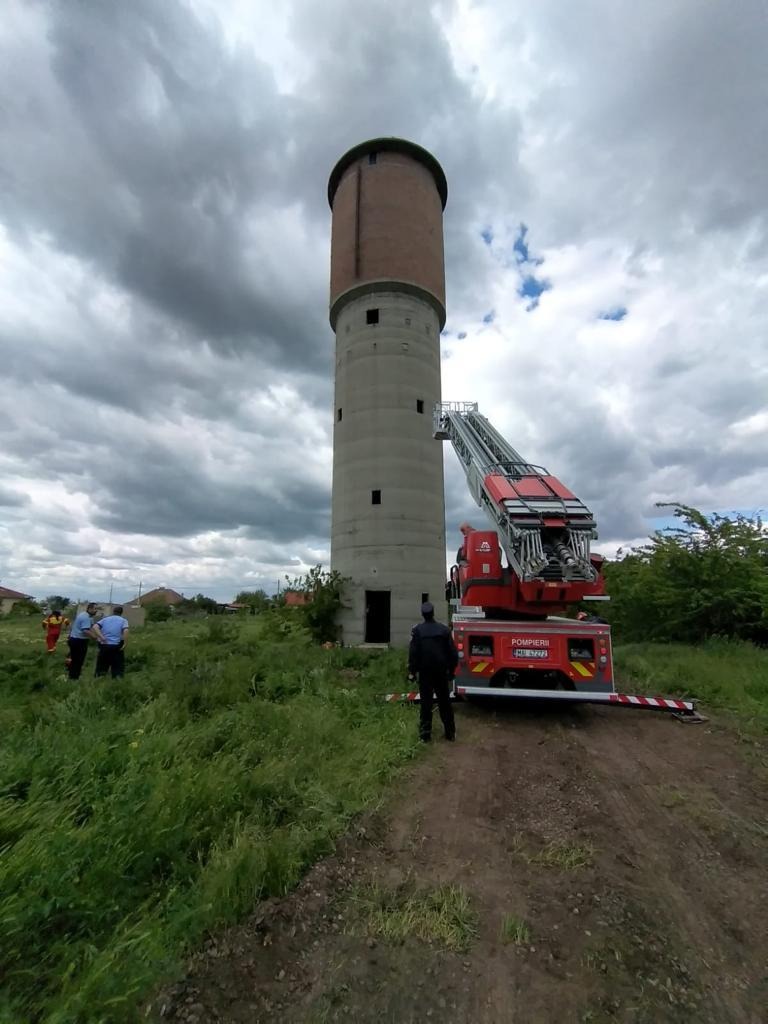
column 432, row 657
column 83, row 630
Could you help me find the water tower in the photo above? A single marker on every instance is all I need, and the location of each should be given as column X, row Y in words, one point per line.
column 387, row 310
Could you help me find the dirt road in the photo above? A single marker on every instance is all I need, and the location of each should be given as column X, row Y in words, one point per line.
column 623, row 855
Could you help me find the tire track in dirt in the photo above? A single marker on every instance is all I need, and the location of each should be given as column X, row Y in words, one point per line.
column 705, row 868
column 665, row 922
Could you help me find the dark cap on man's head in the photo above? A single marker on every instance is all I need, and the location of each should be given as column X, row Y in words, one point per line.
column 427, row 608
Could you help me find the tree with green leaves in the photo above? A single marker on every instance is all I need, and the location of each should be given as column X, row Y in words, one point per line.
column 324, row 588
column 158, row 611
column 23, row 609
column 255, row 599
column 706, row 577
column 56, row 602
column 197, row 605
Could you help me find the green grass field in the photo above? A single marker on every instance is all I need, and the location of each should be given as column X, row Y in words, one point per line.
column 729, row 675
column 136, row 815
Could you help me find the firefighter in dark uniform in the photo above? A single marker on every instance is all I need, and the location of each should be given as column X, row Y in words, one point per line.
column 432, row 657
column 586, row 617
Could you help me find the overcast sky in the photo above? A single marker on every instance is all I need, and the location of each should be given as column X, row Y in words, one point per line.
column 166, row 385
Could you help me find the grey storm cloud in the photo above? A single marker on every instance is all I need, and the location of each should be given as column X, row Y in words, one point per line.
column 167, row 498
column 158, row 149
column 12, row 499
column 166, row 355
column 155, row 149
column 658, row 109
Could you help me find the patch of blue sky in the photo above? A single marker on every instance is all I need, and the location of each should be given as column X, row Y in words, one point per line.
column 615, row 313
column 670, row 521
column 663, row 523
column 532, row 288
column 660, row 524
column 521, row 250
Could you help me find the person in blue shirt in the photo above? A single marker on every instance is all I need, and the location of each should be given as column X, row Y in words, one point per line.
column 83, row 629
column 111, row 657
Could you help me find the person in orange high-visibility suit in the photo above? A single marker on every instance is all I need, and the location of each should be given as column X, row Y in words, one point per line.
column 53, row 625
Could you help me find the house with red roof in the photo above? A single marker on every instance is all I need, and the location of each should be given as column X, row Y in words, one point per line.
column 8, row 599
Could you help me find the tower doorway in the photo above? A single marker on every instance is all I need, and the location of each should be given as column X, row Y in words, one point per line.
column 377, row 616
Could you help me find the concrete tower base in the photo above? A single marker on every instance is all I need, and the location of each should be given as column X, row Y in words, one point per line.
column 388, row 532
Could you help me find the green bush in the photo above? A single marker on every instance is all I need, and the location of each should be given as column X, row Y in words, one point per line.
column 197, row 605
column 158, row 611
column 325, row 592
column 23, row 610
column 707, row 577
column 257, row 600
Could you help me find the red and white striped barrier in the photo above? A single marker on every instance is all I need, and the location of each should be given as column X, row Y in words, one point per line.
column 685, row 709
column 668, row 703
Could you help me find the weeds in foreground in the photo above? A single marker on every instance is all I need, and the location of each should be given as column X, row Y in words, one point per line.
column 670, row 796
column 568, row 856
column 137, row 814
column 556, row 854
column 514, row 931
column 443, row 915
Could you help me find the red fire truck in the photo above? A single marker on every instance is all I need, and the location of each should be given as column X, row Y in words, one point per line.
column 510, row 585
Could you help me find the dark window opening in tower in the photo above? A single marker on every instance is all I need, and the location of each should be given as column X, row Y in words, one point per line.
column 424, row 598
column 419, row 405
column 372, row 158
column 371, row 316
column 338, row 415
column 375, row 497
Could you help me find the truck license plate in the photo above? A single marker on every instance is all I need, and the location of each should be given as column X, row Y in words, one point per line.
column 532, row 652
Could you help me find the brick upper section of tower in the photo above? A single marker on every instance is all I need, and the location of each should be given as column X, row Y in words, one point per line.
column 387, row 220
